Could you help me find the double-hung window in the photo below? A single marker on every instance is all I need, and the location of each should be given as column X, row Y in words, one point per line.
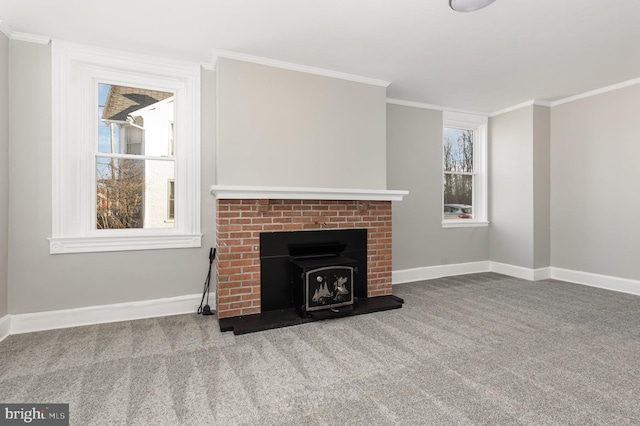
column 124, row 126
column 464, row 170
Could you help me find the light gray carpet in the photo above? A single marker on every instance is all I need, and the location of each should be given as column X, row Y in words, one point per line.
column 479, row 349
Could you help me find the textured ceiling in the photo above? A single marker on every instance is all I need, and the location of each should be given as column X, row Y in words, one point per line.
column 511, row 52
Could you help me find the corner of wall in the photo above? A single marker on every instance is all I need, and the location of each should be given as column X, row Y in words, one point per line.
column 4, row 176
column 541, row 186
column 5, row 327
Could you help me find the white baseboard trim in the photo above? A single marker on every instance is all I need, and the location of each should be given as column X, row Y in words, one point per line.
column 542, row 274
column 49, row 320
column 5, row 327
column 38, row 321
column 512, row 270
column 521, row 272
column 438, row 271
column 607, row 282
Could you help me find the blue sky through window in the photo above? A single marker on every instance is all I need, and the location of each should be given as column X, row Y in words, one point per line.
column 104, row 130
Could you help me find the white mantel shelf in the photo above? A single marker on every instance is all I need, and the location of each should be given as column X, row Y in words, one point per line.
column 233, row 192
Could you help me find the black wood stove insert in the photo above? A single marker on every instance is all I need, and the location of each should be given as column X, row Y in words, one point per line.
column 311, row 275
column 282, row 252
column 322, row 278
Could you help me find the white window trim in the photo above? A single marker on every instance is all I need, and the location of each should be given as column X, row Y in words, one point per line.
column 76, row 70
column 477, row 123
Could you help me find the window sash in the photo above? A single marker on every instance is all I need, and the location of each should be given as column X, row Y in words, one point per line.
column 460, row 173
column 134, row 157
column 171, row 200
column 77, row 70
column 477, row 124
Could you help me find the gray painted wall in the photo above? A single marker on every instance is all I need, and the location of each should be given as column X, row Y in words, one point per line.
column 595, row 171
column 4, row 172
column 39, row 281
column 414, row 162
column 541, row 187
column 278, row 127
column 511, row 177
column 519, row 187
column 555, row 176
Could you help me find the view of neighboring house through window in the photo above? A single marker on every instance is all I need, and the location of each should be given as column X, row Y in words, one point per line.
column 459, row 173
column 134, row 158
column 171, row 200
column 123, row 126
column 171, row 139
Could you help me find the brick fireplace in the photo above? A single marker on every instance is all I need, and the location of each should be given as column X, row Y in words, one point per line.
column 243, row 213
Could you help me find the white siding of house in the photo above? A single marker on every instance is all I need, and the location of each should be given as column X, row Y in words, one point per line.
column 157, row 119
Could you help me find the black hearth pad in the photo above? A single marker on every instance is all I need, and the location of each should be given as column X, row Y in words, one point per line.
column 288, row 317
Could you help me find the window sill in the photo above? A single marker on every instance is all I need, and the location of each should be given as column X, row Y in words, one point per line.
column 92, row 244
column 465, row 224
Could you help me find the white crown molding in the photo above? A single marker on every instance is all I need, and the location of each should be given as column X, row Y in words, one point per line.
column 548, row 104
column 232, row 192
column 596, row 92
column 5, row 327
column 30, row 38
column 65, row 318
column 208, row 66
column 5, row 29
column 521, row 105
column 217, row 53
column 431, row 106
column 573, row 98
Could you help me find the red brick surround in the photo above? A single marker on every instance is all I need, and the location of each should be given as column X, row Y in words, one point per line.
column 240, row 222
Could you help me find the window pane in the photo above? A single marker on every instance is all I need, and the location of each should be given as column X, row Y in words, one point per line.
column 171, row 139
column 134, row 121
column 171, row 200
column 458, row 150
column 132, row 193
column 458, row 196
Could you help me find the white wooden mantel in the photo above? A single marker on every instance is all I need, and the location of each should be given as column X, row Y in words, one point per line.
column 235, row 192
